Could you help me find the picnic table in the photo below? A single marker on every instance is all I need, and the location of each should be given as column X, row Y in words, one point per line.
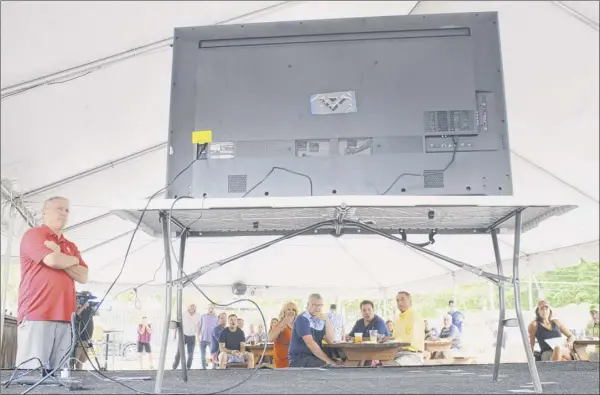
column 439, row 350
column 257, row 351
column 580, row 347
column 358, row 353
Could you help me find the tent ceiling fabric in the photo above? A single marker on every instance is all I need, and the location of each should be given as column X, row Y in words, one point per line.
column 551, row 73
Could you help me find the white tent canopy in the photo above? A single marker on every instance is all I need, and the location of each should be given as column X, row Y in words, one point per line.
column 91, row 119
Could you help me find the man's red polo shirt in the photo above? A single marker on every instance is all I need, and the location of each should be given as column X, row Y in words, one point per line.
column 45, row 294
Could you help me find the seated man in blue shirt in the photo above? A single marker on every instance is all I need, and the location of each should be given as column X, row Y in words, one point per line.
column 450, row 331
column 369, row 322
column 308, row 332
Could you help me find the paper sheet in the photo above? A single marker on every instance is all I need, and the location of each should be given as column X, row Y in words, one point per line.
column 555, row 341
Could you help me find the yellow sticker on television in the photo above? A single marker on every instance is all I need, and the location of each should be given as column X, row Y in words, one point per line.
column 202, row 137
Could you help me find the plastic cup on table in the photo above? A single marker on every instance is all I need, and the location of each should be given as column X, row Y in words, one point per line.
column 358, row 338
column 373, row 336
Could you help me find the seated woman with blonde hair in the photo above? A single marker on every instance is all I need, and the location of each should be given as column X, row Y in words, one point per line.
column 543, row 328
column 281, row 334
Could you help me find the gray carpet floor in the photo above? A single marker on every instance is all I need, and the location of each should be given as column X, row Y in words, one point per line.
column 557, row 378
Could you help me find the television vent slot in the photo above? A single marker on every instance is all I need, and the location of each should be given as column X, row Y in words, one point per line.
column 237, row 183
column 433, row 179
column 456, row 121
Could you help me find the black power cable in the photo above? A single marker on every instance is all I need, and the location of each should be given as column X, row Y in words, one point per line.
column 285, row 170
column 257, row 363
column 199, row 154
column 105, row 376
column 423, row 175
column 12, row 376
column 257, row 366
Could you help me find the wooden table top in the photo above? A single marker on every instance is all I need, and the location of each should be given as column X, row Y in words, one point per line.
column 441, row 341
column 587, row 342
column 366, row 345
column 260, row 346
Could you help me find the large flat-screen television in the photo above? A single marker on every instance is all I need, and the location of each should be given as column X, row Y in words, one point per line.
column 395, row 105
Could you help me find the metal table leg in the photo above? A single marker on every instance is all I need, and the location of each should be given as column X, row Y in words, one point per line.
column 501, row 306
column 537, row 385
column 180, row 333
column 168, row 298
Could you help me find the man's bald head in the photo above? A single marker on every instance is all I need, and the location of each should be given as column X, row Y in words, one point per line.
column 55, row 213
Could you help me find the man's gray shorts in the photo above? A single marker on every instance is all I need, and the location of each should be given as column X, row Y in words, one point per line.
column 47, row 340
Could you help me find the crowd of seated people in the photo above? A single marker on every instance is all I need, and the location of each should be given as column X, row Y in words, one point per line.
column 298, row 337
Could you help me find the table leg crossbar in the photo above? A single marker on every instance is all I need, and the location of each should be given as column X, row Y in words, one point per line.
column 338, row 224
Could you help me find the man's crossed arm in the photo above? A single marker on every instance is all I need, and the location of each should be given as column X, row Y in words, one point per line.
column 70, row 264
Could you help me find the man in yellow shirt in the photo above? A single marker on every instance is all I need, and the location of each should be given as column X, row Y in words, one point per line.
column 409, row 328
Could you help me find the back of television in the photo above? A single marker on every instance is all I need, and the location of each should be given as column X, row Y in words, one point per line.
column 408, row 105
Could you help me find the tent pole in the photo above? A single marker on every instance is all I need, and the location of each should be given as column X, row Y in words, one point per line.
column 185, row 281
column 494, row 278
column 5, row 267
column 93, row 170
column 24, row 211
column 89, row 67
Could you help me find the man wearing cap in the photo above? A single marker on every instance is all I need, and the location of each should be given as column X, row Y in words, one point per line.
column 593, row 330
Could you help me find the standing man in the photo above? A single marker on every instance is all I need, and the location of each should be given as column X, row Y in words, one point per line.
column 337, row 321
column 409, row 328
column 143, row 342
column 191, row 331
column 49, row 265
column 457, row 317
column 208, row 322
column 308, row 332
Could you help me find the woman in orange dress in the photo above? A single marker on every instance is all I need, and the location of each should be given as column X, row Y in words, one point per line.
column 281, row 333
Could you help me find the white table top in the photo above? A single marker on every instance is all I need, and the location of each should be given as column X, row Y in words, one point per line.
column 281, row 215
